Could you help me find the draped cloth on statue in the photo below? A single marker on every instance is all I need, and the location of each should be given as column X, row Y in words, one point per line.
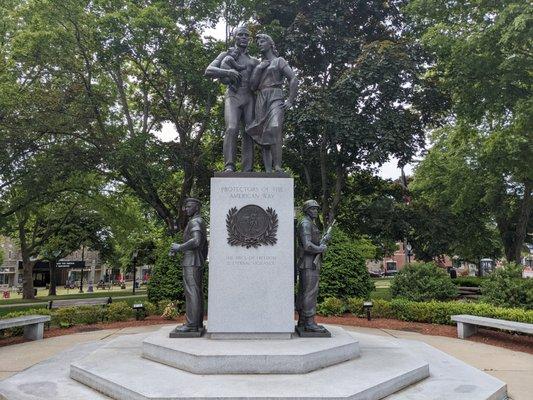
column 268, row 118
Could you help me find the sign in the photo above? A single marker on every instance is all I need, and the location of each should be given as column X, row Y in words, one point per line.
column 527, row 272
column 70, row 264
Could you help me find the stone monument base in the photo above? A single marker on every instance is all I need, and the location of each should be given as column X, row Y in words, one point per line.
column 387, row 368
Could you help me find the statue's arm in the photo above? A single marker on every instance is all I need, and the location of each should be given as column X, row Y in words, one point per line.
column 214, row 71
column 293, row 83
column 193, row 242
column 255, row 79
column 307, row 244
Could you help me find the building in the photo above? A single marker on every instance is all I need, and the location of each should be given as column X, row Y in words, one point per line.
column 11, row 268
column 396, row 261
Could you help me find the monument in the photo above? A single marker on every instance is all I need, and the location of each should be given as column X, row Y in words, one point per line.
column 250, row 349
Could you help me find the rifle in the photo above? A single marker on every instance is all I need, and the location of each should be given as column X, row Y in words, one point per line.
column 325, row 239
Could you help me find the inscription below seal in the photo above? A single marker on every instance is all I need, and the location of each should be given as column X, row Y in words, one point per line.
column 252, row 226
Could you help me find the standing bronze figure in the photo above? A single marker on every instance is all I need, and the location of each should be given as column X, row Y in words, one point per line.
column 311, row 246
column 194, row 248
column 234, row 67
column 267, row 78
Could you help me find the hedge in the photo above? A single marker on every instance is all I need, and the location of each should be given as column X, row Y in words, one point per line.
column 435, row 312
column 81, row 315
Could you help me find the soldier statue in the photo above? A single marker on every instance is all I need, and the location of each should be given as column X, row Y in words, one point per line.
column 194, row 248
column 239, row 100
column 311, row 246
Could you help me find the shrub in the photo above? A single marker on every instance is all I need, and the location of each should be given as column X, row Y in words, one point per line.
column 505, row 287
column 119, row 311
column 344, row 272
column 150, row 308
column 166, row 279
column 436, row 312
column 331, row 306
column 170, row 311
column 423, row 282
column 64, row 317
column 89, row 314
column 468, row 281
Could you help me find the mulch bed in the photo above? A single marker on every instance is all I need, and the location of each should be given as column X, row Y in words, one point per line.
column 516, row 342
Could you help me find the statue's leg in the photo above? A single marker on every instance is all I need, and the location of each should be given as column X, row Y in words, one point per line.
column 192, row 286
column 267, row 157
column 232, row 117
column 247, row 141
column 277, row 127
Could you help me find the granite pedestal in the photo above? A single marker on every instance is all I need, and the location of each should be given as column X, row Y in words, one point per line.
column 251, row 283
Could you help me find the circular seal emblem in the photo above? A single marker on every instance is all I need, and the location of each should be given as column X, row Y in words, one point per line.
column 252, row 226
column 251, row 221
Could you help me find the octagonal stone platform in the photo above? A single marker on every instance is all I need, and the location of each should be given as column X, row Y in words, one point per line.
column 294, row 356
column 116, row 370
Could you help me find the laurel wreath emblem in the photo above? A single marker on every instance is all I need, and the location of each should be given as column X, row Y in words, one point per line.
column 267, row 238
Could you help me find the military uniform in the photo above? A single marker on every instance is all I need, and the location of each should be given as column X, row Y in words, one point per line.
column 308, row 267
column 194, row 255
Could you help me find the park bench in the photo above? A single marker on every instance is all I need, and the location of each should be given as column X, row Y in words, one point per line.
column 33, row 325
column 467, row 325
column 103, row 301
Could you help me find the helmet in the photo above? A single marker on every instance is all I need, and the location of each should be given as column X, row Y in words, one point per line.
column 308, row 204
column 192, row 200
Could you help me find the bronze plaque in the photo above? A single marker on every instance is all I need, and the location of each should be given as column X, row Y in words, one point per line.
column 252, row 226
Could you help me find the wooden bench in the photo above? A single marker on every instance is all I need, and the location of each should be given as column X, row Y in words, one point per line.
column 33, row 325
column 467, row 325
column 96, row 301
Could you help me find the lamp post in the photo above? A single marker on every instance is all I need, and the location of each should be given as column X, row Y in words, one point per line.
column 134, row 260
column 82, row 266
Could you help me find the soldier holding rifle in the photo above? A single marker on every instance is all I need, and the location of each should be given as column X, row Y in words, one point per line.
column 310, row 250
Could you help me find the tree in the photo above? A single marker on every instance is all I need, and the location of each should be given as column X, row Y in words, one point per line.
column 127, row 68
column 361, row 98
column 483, row 61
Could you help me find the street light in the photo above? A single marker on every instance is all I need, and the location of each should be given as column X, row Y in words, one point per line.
column 134, row 259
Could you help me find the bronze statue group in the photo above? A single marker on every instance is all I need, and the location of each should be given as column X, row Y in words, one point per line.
column 255, row 99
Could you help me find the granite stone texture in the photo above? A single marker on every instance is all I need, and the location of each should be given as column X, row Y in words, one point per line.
column 295, row 356
column 251, row 289
column 120, row 370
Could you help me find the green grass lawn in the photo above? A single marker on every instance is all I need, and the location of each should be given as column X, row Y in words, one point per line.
column 63, row 294
column 131, row 300
column 382, row 290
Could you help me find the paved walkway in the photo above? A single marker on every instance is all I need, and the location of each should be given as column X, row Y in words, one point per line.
column 514, row 368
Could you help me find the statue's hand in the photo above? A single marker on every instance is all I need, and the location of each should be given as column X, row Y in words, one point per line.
column 174, row 248
column 264, row 64
column 287, row 105
column 233, row 75
column 323, row 248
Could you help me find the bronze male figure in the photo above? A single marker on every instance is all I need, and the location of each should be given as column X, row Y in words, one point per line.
column 310, row 250
column 239, row 99
column 194, row 248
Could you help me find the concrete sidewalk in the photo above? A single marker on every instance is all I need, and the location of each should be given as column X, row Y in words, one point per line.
column 514, row 368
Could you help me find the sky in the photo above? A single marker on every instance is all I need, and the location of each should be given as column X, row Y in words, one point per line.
column 388, row 170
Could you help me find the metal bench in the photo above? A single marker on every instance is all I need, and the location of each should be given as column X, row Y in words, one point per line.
column 104, row 301
column 467, row 325
column 33, row 325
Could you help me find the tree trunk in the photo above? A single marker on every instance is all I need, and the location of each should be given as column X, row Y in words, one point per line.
column 53, row 278
column 27, row 278
column 521, row 225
